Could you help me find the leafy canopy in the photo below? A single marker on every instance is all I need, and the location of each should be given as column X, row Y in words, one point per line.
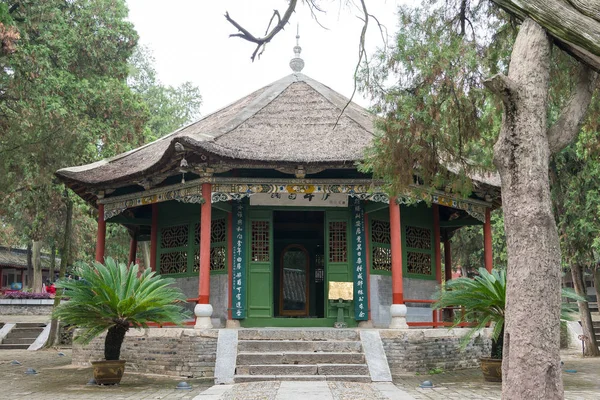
column 112, row 294
column 483, row 301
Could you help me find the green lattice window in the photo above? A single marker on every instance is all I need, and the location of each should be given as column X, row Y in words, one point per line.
column 381, row 253
column 419, row 252
column 260, row 241
column 338, row 243
column 179, row 248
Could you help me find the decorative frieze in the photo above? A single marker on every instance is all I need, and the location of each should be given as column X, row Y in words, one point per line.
column 227, row 189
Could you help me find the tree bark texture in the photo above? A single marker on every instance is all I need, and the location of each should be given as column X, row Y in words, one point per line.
column 596, row 272
column 29, row 266
column 36, row 250
column 54, row 337
column 531, row 360
column 114, row 341
column 574, row 27
column 591, row 346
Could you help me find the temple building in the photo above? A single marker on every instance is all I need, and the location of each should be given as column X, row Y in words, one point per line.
column 258, row 209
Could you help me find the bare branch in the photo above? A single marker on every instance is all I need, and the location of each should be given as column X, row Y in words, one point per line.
column 502, row 86
column 571, row 117
column 262, row 41
column 361, row 54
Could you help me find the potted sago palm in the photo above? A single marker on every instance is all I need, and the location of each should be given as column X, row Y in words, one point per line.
column 112, row 298
column 482, row 302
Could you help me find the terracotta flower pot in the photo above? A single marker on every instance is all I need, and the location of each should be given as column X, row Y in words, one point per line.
column 492, row 369
column 108, row 372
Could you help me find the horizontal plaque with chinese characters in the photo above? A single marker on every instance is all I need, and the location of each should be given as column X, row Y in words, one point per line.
column 300, row 199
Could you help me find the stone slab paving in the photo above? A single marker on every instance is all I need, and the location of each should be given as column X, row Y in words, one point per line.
column 305, row 390
column 57, row 379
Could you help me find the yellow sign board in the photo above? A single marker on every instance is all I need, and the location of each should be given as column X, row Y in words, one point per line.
column 341, row 290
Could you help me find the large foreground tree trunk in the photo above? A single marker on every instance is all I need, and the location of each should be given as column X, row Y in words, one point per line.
column 591, row 346
column 531, row 362
column 36, row 250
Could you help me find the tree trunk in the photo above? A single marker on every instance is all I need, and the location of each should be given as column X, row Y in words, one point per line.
column 591, row 346
column 146, row 253
column 52, row 269
column 36, row 249
column 29, row 267
column 596, row 272
column 531, row 359
column 114, row 341
column 54, row 335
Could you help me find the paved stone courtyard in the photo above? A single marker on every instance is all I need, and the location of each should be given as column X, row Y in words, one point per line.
column 57, row 379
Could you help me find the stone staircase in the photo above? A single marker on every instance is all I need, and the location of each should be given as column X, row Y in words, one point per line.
column 300, row 354
column 596, row 325
column 22, row 336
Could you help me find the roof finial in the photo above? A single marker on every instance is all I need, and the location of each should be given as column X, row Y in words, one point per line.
column 296, row 64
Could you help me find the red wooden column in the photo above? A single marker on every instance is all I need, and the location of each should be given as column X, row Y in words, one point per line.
column 230, row 263
column 101, row 236
column 447, row 260
column 154, row 237
column 437, row 251
column 398, row 309
column 437, row 242
column 487, row 241
column 203, row 309
column 205, row 221
column 132, row 251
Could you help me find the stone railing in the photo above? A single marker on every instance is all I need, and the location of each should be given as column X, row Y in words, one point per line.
column 26, row 306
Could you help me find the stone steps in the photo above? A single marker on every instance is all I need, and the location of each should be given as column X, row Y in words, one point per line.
column 22, row 335
column 259, row 378
column 300, row 354
column 264, row 346
column 299, row 334
column 14, row 346
column 303, row 369
column 17, row 340
column 301, row 358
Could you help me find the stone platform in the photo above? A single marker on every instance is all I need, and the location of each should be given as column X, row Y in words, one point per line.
column 322, row 354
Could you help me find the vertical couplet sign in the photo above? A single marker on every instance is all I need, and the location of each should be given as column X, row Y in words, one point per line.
column 239, row 263
column 361, row 312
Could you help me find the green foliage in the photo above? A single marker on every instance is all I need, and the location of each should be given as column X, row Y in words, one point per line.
column 112, row 294
column 483, row 300
column 467, row 245
column 170, row 107
column 438, row 114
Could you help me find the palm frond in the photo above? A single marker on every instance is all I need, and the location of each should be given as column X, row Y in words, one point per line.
column 111, row 293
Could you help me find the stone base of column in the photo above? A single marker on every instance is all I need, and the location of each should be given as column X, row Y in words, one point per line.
column 233, row 324
column 398, row 313
column 203, row 313
column 365, row 324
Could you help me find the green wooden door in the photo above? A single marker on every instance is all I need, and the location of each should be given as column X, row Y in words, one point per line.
column 337, row 254
column 260, row 264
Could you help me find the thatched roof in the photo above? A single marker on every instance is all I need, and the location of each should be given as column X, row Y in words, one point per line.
column 293, row 120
